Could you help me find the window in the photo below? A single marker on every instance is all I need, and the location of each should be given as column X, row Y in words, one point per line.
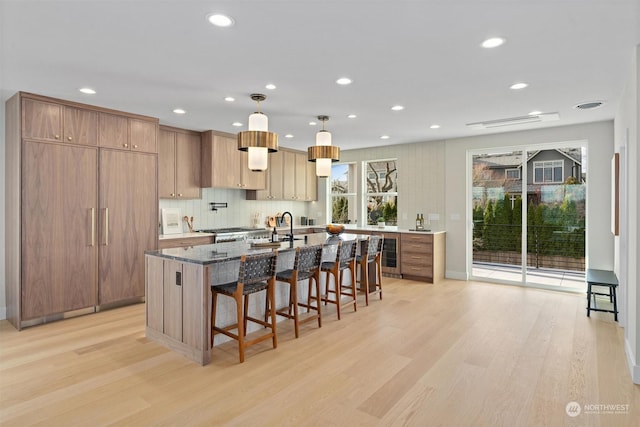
column 381, row 196
column 512, row 173
column 548, row 171
column 343, row 193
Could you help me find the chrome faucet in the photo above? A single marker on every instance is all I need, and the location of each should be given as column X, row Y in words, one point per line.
column 290, row 225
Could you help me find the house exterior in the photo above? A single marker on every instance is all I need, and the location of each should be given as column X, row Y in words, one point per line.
column 497, row 175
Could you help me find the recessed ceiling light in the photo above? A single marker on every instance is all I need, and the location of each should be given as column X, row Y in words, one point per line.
column 220, row 20
column 236, row 124
column 384, row 137
column 344, row 81
column 493, row 42
column 589, row 105
column 535, row 113
column 87, row 90
column 179, row 111
column 229, row 99
column 312, row 123
column 270, row 86
column 288, row 135
column 517, row 86
column 434, row 127
column 397, row 108
column 351, row 116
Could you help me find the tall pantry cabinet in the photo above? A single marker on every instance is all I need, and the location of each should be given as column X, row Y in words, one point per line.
column 79, row 215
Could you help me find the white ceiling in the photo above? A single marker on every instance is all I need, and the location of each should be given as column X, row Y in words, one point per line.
column 149, row 57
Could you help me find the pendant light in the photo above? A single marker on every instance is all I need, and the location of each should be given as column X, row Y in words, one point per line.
column 323, row 153
column 258, row 141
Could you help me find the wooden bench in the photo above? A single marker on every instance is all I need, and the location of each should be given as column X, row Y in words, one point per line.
column 602, row 278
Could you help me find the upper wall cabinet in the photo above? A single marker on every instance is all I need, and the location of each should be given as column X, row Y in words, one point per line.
column 287, row 178
column 127, row 133
column 223, row 166
column 178, row 163
column 47, row 121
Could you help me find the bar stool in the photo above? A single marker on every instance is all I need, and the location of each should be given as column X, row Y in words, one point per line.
column 257, row 273
column 345, row 259
column 369, row 255
column 306, row 266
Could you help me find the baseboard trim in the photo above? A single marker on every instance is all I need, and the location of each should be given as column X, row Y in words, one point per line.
column 634, row 369
column 457, row 275
column 3, row 313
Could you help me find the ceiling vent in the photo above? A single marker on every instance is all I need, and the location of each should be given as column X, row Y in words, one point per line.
column 543, row 117
column 589, row 105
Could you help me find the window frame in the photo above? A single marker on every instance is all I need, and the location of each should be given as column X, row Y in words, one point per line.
column 550, row 165
column 506, row 173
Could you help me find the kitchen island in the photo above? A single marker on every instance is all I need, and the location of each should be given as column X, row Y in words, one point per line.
column 178, row 288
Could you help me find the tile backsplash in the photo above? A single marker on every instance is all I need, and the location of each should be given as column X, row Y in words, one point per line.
column 240, row 212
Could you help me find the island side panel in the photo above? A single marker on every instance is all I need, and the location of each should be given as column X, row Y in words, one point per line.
column 194, row 307
column 154, row 292
column 172, row 300
column 439, row 262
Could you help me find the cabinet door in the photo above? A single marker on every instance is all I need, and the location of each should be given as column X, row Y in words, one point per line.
column 128, row 222
column 41, row 120
column 226, row 159
column 167, row 164
column 143, row 136
column 113, row 131
column 251, row 180
column 187, row 169
column 289, row 175
column 300, row 176
column 80, row 126
column 311, row 183
column 59, row 247
column 276, row 175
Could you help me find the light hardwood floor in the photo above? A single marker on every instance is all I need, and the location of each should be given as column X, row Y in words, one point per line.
column 451, row 354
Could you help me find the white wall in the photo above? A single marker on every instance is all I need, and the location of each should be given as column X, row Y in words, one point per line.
column 3, row 248
column 627, row 256
column 424, row 183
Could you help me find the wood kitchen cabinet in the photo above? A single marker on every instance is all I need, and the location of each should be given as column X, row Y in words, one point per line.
column 224, row 166
column 128, row 222
column 422, row 256
column 78, row 216
column 127, row 133
column 59, row 253
column 178, row 163
column 295, row 175
column 286, row 178
column 311, row 192
column 48, row 121
column 274, row 179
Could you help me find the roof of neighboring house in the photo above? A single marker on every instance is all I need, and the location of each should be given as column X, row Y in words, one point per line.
column 514, row 160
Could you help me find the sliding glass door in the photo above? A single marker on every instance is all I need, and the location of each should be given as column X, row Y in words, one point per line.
column 529, row 216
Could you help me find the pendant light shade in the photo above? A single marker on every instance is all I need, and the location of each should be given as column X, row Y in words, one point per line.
column 323, row 153
column 258, row 141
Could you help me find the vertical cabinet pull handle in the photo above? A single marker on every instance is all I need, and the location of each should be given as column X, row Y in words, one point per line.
column 93, row 226
column 106, row 226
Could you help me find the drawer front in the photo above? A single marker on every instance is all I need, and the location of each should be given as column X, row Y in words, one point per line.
column 183, row 243
column 426, row 239
column 418, row 247
column 416, row 270
column 416, row 260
